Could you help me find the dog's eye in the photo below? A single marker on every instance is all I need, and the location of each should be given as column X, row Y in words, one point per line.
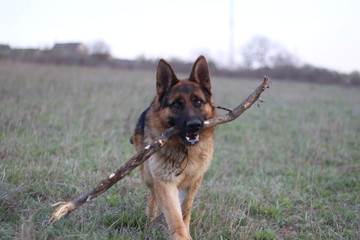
column 177, row 105
column 198, row 102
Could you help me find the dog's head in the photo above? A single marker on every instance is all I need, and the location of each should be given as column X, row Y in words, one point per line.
column 186, row 103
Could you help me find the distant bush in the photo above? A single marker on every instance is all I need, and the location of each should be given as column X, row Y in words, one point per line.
column 305, row 73
column 280, row 66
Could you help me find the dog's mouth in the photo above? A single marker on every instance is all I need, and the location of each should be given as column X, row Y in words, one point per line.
column 191, row 139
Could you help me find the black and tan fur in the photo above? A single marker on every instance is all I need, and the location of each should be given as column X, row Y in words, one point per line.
column 180, row 165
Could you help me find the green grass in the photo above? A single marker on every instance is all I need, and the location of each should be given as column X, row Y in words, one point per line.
column 287, row 170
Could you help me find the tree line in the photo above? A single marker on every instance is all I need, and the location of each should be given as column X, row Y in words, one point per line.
column 260, row 56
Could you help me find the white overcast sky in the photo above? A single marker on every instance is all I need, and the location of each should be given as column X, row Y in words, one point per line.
column 324, row 33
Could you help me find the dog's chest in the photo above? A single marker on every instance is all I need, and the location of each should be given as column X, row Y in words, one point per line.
column 176, row 166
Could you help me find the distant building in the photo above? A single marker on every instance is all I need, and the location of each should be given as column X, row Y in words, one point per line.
column 70, row 48
column 5, row 51
column 4, row 47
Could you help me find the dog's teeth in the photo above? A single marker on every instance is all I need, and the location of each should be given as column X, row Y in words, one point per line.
column 192, row 140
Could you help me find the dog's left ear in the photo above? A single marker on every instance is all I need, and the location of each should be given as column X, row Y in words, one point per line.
column 200, row 73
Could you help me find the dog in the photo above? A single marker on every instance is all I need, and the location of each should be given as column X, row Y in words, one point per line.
column 174, row 173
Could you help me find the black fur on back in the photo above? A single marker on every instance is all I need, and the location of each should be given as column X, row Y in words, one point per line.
column 140, row 125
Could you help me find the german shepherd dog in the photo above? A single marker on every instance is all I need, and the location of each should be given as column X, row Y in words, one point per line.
column 174, row 173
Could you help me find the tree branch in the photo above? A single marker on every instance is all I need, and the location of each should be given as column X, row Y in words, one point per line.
column 65, row 208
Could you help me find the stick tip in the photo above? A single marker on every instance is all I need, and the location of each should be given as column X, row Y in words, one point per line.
column 60, row 212
column 266, row 82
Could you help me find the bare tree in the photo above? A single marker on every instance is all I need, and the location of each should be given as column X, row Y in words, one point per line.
column 282, row 58
column 99, row 47
column 261, row 52
column 256, row 52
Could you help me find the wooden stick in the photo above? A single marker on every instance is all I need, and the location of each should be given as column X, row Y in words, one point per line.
column 65, row 208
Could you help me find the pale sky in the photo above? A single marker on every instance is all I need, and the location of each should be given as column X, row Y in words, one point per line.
column 325, row 33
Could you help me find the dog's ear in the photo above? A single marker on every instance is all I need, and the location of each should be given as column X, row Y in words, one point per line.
column 165, row 78
column 200, row 74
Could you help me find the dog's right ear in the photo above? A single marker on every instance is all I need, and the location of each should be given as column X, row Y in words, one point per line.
column 165, row 78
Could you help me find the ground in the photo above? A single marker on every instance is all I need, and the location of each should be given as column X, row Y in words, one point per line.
column 288, row 169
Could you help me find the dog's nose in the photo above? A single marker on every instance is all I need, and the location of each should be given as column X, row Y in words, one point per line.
column 194, row 124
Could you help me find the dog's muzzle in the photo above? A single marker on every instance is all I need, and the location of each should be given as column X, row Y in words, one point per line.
column 193, row 128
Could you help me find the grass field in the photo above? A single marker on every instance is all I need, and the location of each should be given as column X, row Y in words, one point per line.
column 287, row 170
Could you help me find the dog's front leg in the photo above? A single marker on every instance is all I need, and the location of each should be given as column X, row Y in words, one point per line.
column 188, row 201
column 167, row 195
